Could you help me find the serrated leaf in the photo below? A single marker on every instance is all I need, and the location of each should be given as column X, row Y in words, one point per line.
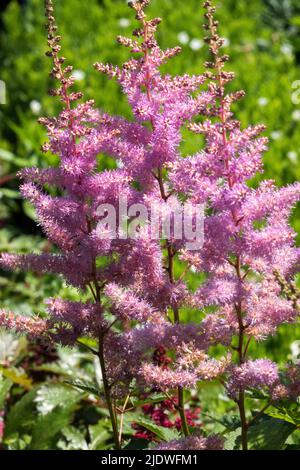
column 129, row 418
column 155, row 398
column 48, row 426
column 289, row 412
column 74, row 439
column 21, row 416
column 257, row 394
column 233, row 439
column 165, row 434
column 292, row 447
column 281, row 415
column 269, row 434
column 84, row 386
column 230, row 422
column 99, row 435
column 49, row 396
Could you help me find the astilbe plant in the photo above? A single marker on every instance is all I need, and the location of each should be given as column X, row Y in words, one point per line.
column 131, row 298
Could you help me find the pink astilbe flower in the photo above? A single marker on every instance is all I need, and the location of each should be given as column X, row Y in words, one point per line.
column 193, row 443
column 79, row 318
column 34, row 327
column 260, row 374
column 292, row 376
column 128, row 306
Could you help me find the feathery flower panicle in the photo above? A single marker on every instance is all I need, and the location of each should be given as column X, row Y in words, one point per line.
column 128, row 306
column 259, row 374
column 83, row 318
column 34, row 327
column 293, row 381
column 165, row 102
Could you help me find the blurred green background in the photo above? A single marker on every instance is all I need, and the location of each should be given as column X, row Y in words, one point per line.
column 263, row 40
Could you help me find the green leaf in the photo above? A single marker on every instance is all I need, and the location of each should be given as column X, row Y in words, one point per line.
column 9, row 193
column 48, row 426
column 281, row 415
column 165, row 434
column 17, row 376
column 269, row 434
column 155, row 398
column 5, row 386
column 129, row 418
column 29, row 210
column 289, row 412
column 50, row 396
column 85, row 386
column 9, row 157
column 257, row 394
column 99, row 435
column 232, row 441
column 6, row 156
column 53, row 368
column 292, row 447
column 136, row 444
column 230, row 422
column 74, row 439
column 22, row 415
column 11, row 347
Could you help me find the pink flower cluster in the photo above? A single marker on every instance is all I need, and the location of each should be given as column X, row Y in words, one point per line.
column 258, row 374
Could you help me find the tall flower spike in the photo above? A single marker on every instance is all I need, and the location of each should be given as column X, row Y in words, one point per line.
column 59, row 72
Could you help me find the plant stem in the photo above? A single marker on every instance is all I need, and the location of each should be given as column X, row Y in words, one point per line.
column 241, row 354
column 106, row 387
column 123, row 410
column 184, row 424
column 96, row 292
column 260, row 413
column 170, row 269
column 241, row 405
column 180, row 392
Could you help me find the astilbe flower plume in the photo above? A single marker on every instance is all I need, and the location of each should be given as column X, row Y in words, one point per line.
column 248, row 242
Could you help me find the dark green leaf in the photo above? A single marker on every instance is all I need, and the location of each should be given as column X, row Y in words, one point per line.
column 165, row 434
column 48, row 426
column 84, row 386
column 269, row 433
